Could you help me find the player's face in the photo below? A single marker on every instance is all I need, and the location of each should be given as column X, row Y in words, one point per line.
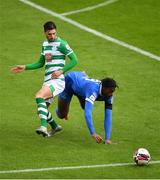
column 51, row 34
column 108, row 91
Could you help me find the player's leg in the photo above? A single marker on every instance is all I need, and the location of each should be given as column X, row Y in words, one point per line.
column 41, row 95
column 82, row 102
column 54, row 126
column 63, row 108
column 57, row 86
column 50, row 119
column 64, row 99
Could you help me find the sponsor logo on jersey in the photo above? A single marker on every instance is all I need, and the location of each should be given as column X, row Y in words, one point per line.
column 48, row 57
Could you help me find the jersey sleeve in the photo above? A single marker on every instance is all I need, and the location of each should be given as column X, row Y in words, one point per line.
column 91, row 97
column 108, row 118
column 65, row 48
column 88, row 116
column 89, row 103
column 73, row 62
column 42, row 52
column 40, row 63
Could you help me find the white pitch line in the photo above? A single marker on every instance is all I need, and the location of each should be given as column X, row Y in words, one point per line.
column 89, row 8
column 92, row 31
column 72, row 167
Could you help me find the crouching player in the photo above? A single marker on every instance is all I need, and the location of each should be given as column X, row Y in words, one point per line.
column 87, row 91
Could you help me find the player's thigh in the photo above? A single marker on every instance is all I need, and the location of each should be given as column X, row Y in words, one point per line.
column 64, row 100
column 44, row 92
column 56, row 86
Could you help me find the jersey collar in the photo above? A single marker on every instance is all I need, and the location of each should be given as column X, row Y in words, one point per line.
column 54, row 40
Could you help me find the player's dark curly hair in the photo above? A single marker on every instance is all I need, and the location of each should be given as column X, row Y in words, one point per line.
column 109, row 82
column 49, row 26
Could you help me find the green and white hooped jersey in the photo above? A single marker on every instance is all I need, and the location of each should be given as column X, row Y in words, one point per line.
column 54, row 53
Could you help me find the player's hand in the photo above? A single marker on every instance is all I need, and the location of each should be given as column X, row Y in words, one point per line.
column 18, row 69
column 55, row 74
column 97, row 138
column 107, row 141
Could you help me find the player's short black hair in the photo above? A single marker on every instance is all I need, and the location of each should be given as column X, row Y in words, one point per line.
column 109, row 82
column 49, row 25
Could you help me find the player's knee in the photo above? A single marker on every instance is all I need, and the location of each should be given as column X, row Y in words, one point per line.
column 61, row 115
column 39, row 95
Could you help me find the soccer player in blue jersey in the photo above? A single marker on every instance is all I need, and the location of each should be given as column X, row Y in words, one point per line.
column 88, row 90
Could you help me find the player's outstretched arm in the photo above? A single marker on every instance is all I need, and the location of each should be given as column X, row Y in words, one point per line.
column 18, row 69
column 88, row 117
column 108, row 120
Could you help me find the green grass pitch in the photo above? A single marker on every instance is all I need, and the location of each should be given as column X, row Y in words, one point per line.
column 136, row 110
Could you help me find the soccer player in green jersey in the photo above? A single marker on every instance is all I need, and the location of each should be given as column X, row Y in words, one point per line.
column 54, row 51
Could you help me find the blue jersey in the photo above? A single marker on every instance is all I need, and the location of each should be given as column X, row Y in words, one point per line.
column 83, row 86
column 89, row 90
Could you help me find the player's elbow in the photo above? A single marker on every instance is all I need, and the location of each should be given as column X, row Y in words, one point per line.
column 108, row 106
column 75, row 62
column 74, row 59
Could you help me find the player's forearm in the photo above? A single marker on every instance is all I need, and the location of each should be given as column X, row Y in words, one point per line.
column 40, row 63
column 108, row 123
column 88, row 117
column 73, row 62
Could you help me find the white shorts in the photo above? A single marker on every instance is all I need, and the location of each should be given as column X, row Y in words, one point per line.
column 56, row 86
